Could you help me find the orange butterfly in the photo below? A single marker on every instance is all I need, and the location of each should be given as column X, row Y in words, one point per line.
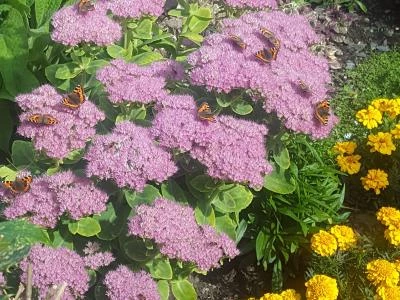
column 84, row 6
column 75, row 99
column 238, row 41
column 266, row 55
column 322, row 111
column 42, row 119
column 19, row 185
column 204, row 112
column 270, row 36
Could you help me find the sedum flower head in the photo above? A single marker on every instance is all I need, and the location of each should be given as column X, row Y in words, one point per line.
column 389, row 106
column 381, row 142
column 396, row 132
column 345, row 236
column 324, row 243
column 290, row 294
column 381, row 271
column 393, row 236
column 54, row 267
column 345, row 147
column 71, row 27
column 137, row 8
column 122, row 283
column 385, row 292
column 270, row 296
column 369, row 117
column 252, row 3
column 349, row 163
column 321, row 287
column 376, row 179
column 388, row 216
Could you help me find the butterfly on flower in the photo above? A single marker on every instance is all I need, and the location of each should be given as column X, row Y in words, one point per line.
column 322, row 112
column 19, row 185
column 84, row 6
column 266, row 55
column 75, row 99
column 238, row 41
column 42, row 119
column 204, row 112
column 270, row 36
column 304, row 87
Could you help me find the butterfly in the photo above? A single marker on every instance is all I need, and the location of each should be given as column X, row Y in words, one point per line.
column 238, row 41
column 270, row 36
column 303, row 86
column 204, row 112
column 75, row 99
column 322, row 111
column 19, row 185
column 266, row 55
column 42, row 119
column 85, row 5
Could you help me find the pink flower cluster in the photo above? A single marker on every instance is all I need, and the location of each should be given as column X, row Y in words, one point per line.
column 129, row 156
column 73, row 129
column 136, row 8
column 144, row 84
column 95, row 259
column 173, row 227
column 54, row 267
column 71, row 27
column 50, row 197
column 230, row 148
column 252, row 3
column 122, row 283
column 222, row 65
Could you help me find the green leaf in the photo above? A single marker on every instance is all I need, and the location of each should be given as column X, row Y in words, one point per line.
column 95, row 65
column 74, row 156
column 172, row 190
column 136, row 250
column 183, row 290
column 22, row 153
column 6, row 125
column 144, row 29
column 112, row 222
column 224, row 100
column 163, row 289
column 160, row 268
column 194, row 37
column 116, row 51
column 361, row 5
column 261, row 243
column 200, row 21
column 204, row 213
column 203, row 183
column 282, row 158
column 50, row 72
column 241, row 107
column 225, row 224
column 44, row 9
column 233, row 199
column 149, row 194
column 147, row 58
column 7, row 174
column 86, row 227
column 67, row 71
column 277, row 183
column 240, row 231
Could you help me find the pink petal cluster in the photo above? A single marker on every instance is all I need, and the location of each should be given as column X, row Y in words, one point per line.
column 144, row 84
column 95, row 259
column 54, row 267
column 71, row 27
column 252, row 3
column 74, row 127
column 50, row 197
column 129, row 156
column 230, row 148
column 173, row 227
column 122, row 283
column 136, row 8
column 222, row 65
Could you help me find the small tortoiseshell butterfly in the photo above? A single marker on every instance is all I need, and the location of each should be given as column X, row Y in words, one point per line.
column 238, row 41
column 19, row 185
column 270, row 36
column 204, row 112
column 75, row 99
column 322, row 111
column 42, row 119
column 266, row 55
column 84, row 6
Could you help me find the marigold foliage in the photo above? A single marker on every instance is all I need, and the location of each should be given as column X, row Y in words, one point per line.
column 369, row 117
column 324, row 243
column 321, row 287
column 376, row 179
column 345, row 236
column 349, row 163
column 381, row 271
column 381, row 142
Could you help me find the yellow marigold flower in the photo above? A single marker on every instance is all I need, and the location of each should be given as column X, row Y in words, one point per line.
column 381, row 271
column 321, row 287
column 376, row 179
column 252, row 298
column 323, row 243
column 393, row 236
column 396, row 132
column 270, row 296
column 345, row 236
column 391, row 107
column 381, row 142
column 397, row 264
column 349, row 163
column 290, row 294
column 345, row 147
column 385, row 292
column 369, row 117
column 388, row 216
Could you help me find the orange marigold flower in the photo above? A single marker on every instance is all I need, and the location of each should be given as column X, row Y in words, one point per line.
column 381, row 142
column 345, row 236
column 321, row 287
column 376, row 179
column 349, row 163
column 396, row 132
column 323, row 243
column 381, row 271
column 345, row 147
column 385, row 292
column 389, row 216
column 369, row 117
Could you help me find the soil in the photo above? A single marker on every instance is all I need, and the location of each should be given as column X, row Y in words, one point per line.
column 377, row 30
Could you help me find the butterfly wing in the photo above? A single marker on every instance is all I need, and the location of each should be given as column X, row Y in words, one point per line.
column 49, row 120
column 264, row 55
column 204, row 112
column 19, row 185
column 238, row 41
column 322, row 112
column 85, row 5
column 36, row 118
column 75, row 99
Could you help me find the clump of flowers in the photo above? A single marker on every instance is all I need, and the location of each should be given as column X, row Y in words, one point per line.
column 49, row 197
column 275, row 83
column 349, row 163
column 345, row 236
column 347, row 147
column 370, row 117
column 385, row 292
column 137, row 8
column 381, row 142
column 73, row 129
column 252, row 3
column 54, row 267
column 71, row 27
column 382, row 272
column 129, row 156
column 324, row 243
column 288, row 294
column 390, row 217
column 321, row 287
column 376, row 180
column 173, row 226
column 128, row 82
column 391, row 107
column 95, row 259
column 122, row 283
